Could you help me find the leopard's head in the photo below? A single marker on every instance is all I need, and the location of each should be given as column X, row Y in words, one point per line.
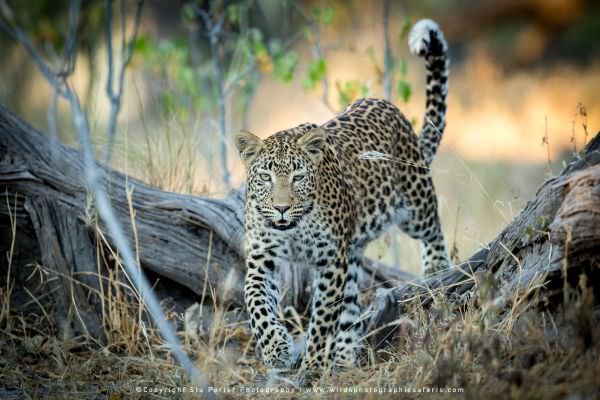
column 282, row 174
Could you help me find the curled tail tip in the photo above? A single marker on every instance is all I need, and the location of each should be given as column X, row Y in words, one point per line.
column 426, row 38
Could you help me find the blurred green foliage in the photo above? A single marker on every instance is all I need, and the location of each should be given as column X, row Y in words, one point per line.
column 46, row 23
column 316, row 71
column 349, row 91
column 245, row 55
column 285, row 65
column 403, row 88
column 168, row 61
column 182, row 67
column 324, row 14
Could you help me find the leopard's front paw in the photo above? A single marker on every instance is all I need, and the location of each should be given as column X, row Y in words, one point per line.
column 277, row 350
column 311, row 369
column 306, row 376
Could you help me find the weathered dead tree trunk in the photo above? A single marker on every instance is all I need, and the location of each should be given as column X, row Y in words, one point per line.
column 191, row 240
column 197, row 241
column 554, row 239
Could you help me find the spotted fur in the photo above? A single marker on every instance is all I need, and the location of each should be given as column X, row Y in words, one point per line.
column 317, row 195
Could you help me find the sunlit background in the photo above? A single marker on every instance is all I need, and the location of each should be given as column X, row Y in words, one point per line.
column 524, row 91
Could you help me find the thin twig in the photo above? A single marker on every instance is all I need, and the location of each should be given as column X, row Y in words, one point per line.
column 318, row 53
column 215, row 32
column 127, row 47
column 388, row 59
column 95, row 179
column 64, row 71
column 19, row 36
column 52, row 122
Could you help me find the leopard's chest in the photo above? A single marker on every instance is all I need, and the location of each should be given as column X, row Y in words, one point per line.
column 309, row 242
column 310, row 247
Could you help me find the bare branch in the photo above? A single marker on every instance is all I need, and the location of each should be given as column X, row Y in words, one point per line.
column 215, row 32
column 127, row 47
column 65, row 69
column 251, row 67
column 67, row 64
column 69, row 52
column 52, row 123
column 115, row 230
column 21, row 38
column 388, row 60
column 109, row 47
column 95, row 181
column 318, row 53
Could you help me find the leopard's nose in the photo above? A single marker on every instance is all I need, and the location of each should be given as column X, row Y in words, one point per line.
column 282, row 208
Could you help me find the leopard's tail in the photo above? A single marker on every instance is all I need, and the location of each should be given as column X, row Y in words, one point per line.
column 426, row 40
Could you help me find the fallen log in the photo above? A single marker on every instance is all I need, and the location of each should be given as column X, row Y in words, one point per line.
column 193, row 241
column 196, row 242
column 554, row 239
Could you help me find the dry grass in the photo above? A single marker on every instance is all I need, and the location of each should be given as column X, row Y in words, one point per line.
column 516, row 348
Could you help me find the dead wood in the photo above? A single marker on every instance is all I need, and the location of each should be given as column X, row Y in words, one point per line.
column 553, row 239
column 196, row 241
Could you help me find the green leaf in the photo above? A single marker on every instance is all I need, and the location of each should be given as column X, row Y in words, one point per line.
column 188, row 13
column 317, row 70
column 528, row 233
column 275, row 46
column 349, row 91
column 199, row 102
column 343, row 93
column 404, row 90
column 165, row 47
column 233, row 14
column 285, row 65
column 406, row 24
column 142, row 45
column 256, row 41
column 324, row 14
column 364, row 89
column 541, row 220
column 371, row 53
column 168, row 101
column 308, row 33
column 403, row 66
column 185, row 77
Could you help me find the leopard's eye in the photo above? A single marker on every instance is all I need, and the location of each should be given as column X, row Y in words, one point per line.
column 298, row 178
column 265, row 177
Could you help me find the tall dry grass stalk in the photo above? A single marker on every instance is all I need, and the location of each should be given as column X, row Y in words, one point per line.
column 5, row 293
column 487, row 343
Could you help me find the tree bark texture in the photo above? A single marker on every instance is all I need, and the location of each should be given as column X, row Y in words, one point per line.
column 194, row 241
column 197, row 242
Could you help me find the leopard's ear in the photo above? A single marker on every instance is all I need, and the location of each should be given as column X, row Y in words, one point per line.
column 248, row 146
column 313, row 143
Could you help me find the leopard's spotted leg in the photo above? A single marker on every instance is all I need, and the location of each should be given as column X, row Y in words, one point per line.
column 327, row 301
column 350, row 327
column 424, row 223
column 434, row 257
column 261, row 295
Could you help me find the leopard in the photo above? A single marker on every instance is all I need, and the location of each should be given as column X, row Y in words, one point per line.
column 316, row 195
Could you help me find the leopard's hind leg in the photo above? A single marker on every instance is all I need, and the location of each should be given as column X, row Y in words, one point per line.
column 345, row 348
